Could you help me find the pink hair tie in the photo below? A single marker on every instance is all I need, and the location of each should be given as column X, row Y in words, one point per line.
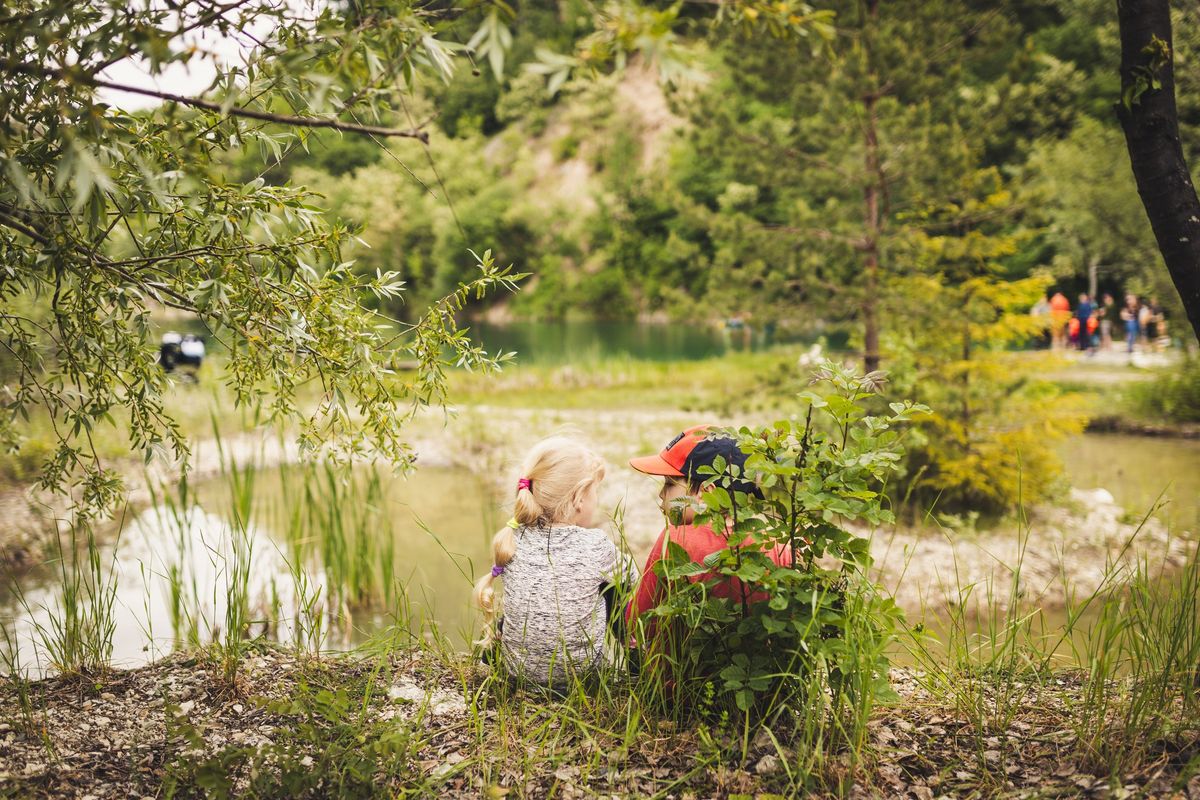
column 524, row 483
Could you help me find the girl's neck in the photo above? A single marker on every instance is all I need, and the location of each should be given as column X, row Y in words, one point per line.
column 555, row 524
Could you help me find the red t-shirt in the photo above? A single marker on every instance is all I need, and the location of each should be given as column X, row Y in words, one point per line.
column 699, row 541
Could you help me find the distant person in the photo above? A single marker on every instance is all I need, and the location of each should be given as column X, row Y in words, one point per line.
column 1060, row 315
column 559, row 571
column 1153, row 324
column 1145, row 315
column 169, row 351
column 1083, row 315
column 1131, row 317
column 1073, row 332
column 1107, row 313
column 1041, row 313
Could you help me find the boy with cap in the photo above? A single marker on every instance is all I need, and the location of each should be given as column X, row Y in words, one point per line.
column 678, row 463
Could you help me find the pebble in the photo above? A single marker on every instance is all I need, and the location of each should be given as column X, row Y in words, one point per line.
column 767, row 765
column 107, row 696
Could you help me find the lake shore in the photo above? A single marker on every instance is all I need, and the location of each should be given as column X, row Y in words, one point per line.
column 1064, row 547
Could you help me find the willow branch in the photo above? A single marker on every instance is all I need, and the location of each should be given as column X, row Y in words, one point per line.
column 220, row 108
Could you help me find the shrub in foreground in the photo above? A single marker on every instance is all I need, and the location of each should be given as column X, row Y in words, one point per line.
column 805, row 644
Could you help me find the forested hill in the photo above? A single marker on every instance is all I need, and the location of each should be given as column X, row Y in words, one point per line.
column 926, row 143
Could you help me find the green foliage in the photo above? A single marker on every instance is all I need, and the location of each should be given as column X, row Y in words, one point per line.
column 809, row 645
column 953, row 324
column 468, row 106
column 106, row 215
column 1173, row 395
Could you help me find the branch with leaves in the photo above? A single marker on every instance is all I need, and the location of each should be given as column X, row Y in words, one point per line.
column 107, row 215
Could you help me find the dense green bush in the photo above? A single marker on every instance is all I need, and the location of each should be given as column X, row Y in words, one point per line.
column 1174, row 395
column 812, row 649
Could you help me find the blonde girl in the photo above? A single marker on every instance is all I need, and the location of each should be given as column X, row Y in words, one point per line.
column 555, row 566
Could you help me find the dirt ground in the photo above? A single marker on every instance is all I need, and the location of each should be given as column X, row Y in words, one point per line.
column 125, row 734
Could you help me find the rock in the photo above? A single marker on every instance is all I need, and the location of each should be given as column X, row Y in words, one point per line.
column 1093, row 497
column 767, row 765
column 439, row 702
column 762, row 742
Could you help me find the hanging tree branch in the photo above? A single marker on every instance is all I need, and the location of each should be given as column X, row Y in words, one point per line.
column 220, row 108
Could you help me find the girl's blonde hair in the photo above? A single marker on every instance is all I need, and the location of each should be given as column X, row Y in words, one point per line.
column 559, row 470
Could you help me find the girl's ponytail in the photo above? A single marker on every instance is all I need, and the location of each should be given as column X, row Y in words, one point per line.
column 504, row 547
column 527, row 510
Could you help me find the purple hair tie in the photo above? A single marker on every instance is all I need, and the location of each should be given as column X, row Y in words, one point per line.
column 497, row 571
column 524, row 483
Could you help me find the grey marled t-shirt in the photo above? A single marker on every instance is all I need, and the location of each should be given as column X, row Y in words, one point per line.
column 554, row 615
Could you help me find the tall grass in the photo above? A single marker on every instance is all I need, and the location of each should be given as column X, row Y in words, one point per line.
column 332, row 557
column 13, row 670
column 1141, row 663
column 1133, row 644
column 77, row 637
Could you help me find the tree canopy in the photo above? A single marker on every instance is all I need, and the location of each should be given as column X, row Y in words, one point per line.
column 107, row 215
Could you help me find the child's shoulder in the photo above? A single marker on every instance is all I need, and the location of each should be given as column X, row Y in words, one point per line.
column 593, row 536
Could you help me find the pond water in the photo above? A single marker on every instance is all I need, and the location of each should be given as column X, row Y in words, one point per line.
column 1140, row 472
column 319, row 560
column 591, row 340
column 309, row 576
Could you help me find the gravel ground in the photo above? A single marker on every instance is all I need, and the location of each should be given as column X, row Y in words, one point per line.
column 127, row 733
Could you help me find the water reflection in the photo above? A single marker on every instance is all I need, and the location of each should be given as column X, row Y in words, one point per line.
column 1140, row 471
column 306, row 558
column 582, row 341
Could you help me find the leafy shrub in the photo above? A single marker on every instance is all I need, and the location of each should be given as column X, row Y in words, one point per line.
column 1173, row 395
column 990, row 444
column 526, row 100
column 811, row 649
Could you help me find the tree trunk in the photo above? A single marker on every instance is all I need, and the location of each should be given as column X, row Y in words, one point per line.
column 1151, row 125
column 873, row 188
column 1093, row 277
column 871, row 240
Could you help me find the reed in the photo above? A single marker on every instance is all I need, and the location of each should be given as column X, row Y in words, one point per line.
column 77, row 638
column 1141, row 667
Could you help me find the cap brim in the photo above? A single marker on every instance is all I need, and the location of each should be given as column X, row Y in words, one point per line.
column 654, row 465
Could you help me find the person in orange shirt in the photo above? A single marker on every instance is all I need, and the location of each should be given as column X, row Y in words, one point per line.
column 1060, row 314
column 678, row 464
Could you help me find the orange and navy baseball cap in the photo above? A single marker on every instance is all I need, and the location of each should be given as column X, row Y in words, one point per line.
column 698, row 446
column 671, row 460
